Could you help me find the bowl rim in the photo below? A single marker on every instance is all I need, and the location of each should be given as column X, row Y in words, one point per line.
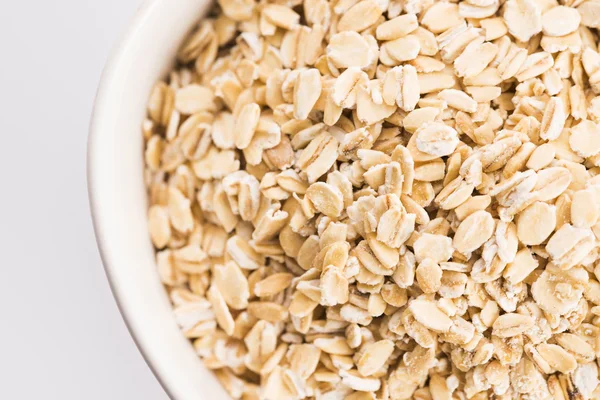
column 104, row 91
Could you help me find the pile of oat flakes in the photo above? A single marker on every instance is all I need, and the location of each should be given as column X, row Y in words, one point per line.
column 384, row 199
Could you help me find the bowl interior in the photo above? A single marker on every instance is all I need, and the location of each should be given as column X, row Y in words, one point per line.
column 118, row 195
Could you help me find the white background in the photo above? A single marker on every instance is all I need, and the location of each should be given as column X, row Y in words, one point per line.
column 61, row 335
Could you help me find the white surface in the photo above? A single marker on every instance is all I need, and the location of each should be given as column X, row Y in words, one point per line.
column 119, row 197
column 61, row 335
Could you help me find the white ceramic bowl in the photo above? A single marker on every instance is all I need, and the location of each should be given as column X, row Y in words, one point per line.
column 118, row 197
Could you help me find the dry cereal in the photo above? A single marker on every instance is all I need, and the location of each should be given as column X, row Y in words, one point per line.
column 384, row 200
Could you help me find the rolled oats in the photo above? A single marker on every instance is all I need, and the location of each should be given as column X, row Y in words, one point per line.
column 584, row 208
column 384, row 199
column 511, row 324
column 569, row 245
column 232, row 284
column 553, row 120
column 435, row 81
column 584, row 139
column 519, row 269
column 306, row 92
column 159, row 226
column 429, row 276
column 441, row 16
column 536, row 223
column 402, row 49
column 401, row 86
column 589, row 11
column 397, row 27
column 273, row 284
column 535, row 64
column 194, row 98
column 558, row 292
column 523, row 18
column 557, row 358
column 473, row 232
column 436, row 139
column 541, row 157
column 373, row 356
column 429, row 314
column 360, row 16
column 435, row 247
column 349, row 49
column 246, row 124
column 180, row 212
column 334, row 286
column 326, row 199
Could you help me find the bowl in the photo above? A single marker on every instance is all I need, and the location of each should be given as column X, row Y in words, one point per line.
column 118, row 195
